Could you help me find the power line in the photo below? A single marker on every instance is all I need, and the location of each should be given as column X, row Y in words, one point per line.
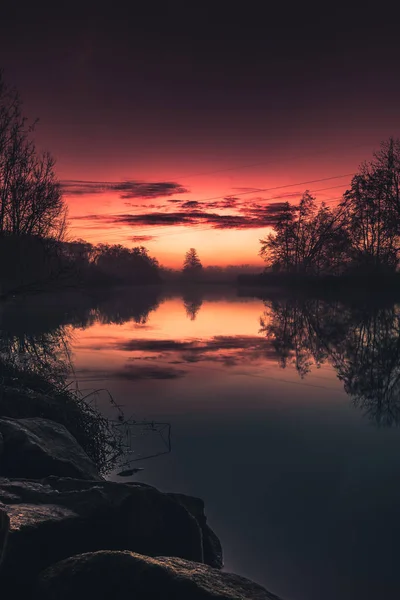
column 278, row 187
column 265, row 162
column 149, row 231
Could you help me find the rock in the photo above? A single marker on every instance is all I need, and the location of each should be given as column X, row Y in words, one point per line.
column 4, row 527
column 212, row 548
column 36, row 448
column 105, row 575
column 55, row 518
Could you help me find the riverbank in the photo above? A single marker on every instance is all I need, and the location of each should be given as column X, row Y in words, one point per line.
column 328, row 286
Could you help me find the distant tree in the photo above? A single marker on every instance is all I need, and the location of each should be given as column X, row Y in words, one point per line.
column 125, row 264
column 31, row 202
column 192, row 267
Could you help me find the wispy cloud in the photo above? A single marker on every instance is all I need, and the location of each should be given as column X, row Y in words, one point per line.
column 126, row 188
column 249, row 217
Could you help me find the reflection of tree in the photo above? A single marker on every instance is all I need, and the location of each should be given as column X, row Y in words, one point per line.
column 35, row 363
column 44, row 354
column 363, row 345
column 43, row 314
column 369, row 365
column 299, row 331
column 192, row 301
column 132, row 304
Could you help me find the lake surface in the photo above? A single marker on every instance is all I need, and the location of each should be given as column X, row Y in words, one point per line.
column 283, row 416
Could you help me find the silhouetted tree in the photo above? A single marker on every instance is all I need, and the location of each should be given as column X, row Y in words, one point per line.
column 129, row 265
column 371, row 209
column 192, row 267
column 31, row 202
column 307, row 239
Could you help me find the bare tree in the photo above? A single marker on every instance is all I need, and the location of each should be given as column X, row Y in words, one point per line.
column 31, row 202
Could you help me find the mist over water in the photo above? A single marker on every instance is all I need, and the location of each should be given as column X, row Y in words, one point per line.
column 283, row 415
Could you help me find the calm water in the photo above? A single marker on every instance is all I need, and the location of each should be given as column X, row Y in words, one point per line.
column 283, row 419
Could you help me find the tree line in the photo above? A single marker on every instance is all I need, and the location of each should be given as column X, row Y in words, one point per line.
column 361, row 234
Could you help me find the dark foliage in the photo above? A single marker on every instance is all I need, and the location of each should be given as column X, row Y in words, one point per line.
column 361, row 235
column 362, row 343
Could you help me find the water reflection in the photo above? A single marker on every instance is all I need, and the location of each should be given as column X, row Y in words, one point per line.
column 192, row 301
column 362, row 344
column 295, row 480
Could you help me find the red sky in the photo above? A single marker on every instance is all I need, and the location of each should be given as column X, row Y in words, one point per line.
column 156, row 119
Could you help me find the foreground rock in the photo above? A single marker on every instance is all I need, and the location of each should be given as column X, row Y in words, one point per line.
column 212, row 548
column 4, row 527
column 35, row 448
column 105, row 575
column 55, row 518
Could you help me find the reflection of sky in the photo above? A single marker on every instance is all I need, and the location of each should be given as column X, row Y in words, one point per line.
column 302, row 490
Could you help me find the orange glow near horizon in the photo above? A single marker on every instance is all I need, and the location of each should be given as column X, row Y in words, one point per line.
column 206, row 183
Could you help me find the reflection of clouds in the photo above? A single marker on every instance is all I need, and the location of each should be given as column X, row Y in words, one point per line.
column 229, row 350
column 132, row 372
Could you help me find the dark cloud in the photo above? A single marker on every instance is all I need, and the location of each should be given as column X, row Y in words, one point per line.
column 191, row 204
column 223, row 204
column 143, row 238
column 250, row 217
column 126, row 189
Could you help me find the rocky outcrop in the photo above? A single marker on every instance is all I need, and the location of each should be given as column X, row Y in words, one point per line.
column 104, row 575
column 73, row 535
column 4, row 527
column 55, row 518
column 35, row 448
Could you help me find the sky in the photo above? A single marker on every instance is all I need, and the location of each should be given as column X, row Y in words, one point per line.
column 186, row 126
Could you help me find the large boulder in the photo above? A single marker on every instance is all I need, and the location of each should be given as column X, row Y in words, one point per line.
column 105, row 575
column 4, row 527
column 55, row 518
column 212, row 548
column 36, row 448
